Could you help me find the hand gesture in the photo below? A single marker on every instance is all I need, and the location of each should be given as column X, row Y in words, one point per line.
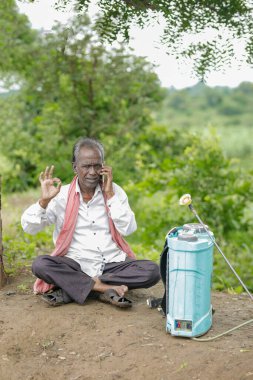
column 50, row 186
column 106, row 172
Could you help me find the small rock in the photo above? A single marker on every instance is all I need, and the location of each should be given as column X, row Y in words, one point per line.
column 10, row 293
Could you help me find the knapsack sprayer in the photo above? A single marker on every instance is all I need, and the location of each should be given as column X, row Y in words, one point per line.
column 189, row 279
column 186, row 269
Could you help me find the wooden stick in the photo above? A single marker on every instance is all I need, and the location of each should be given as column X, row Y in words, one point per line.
column 3, row 277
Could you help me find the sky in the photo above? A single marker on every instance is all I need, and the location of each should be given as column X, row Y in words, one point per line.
column 145, row 43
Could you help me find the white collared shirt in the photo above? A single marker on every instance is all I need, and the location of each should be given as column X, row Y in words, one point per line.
column 92, row 245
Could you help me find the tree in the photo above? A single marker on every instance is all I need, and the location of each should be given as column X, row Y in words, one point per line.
column 173, row 162
column 16, row 41
column 228, row 21
column 75, row 87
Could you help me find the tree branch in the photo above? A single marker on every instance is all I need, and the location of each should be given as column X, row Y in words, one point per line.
column 144, row 4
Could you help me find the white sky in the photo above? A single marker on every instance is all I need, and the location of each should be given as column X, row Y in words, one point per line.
column 145, row 43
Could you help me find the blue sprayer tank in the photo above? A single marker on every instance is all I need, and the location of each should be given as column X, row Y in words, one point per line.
column 189, row 278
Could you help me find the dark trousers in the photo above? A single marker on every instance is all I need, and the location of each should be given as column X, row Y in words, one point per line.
column 76, row 285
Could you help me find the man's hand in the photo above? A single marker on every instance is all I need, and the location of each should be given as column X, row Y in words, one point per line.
column 50, row 186
column 106, row 172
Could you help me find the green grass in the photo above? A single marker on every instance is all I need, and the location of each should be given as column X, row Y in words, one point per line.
column 13, row 206
column 20, row 248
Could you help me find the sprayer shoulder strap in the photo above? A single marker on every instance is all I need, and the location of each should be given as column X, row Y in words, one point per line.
column 163, row 272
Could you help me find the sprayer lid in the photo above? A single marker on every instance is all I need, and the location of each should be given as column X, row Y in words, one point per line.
column 187, row 237
column 196, row 228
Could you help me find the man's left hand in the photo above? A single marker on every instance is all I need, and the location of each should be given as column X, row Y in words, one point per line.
column 106, row 172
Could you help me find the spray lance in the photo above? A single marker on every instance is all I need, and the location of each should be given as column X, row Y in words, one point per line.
column 186, row 200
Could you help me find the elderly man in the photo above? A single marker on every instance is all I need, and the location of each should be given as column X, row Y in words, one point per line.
column 90, row 216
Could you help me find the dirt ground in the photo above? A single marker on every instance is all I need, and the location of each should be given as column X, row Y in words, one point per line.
column 100, row 341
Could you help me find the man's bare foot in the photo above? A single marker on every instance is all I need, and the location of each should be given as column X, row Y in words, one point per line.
column 101, row 287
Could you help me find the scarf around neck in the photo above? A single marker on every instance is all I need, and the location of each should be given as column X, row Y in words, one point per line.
column 65, row 236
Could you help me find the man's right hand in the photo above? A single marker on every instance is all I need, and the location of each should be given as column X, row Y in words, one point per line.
column 50, row 186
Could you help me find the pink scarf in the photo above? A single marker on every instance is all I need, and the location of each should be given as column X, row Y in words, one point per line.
column 65, row 237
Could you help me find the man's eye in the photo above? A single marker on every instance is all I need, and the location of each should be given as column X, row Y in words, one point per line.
column 96, row 167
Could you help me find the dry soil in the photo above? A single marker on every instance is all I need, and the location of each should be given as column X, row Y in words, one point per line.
column 100, row 341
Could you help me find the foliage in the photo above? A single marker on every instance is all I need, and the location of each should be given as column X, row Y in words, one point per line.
column 222, row 194
column 215, row 181
column 229, row 110
column 22, row 249
column 238, row 250
column 175, row 163
column 226, row 21
column 75, row 88
column 221, row 105
column 189, row 163
column 16, row 42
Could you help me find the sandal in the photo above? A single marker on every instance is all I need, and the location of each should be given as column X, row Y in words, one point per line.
column 53, row 299
column 112, row 297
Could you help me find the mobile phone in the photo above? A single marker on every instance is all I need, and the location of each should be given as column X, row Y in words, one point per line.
column 102, row 178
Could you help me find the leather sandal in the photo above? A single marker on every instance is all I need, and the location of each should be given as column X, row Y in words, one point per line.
column 54, row 298
column 112, row 297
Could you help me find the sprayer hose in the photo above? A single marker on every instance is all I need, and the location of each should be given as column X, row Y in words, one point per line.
column 222, row 334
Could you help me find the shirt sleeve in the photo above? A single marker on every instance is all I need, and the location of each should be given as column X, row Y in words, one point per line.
column 121, row 213
column 35, row 218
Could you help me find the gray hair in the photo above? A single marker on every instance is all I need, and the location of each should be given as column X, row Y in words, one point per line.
column 87, row 142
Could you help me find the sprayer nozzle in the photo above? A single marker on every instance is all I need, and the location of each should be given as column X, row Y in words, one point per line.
column 185, row 200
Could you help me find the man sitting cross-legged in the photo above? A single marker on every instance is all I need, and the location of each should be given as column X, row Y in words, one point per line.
column 90, row 215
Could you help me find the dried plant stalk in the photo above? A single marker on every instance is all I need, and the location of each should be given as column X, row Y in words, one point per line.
column 3, row 277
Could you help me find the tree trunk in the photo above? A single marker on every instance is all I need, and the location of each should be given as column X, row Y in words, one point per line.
column 3, row 277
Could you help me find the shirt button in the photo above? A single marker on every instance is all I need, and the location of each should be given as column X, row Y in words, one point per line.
column 94, row 233
column 93, row 221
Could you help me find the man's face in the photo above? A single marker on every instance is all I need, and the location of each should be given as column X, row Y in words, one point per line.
column 88, row 166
